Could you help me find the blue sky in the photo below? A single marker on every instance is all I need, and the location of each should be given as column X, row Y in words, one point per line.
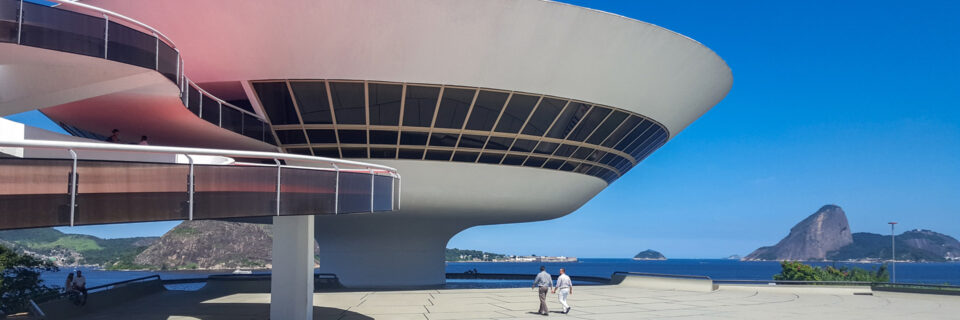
column 848, row 103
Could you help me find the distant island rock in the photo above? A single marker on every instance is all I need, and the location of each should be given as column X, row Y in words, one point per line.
column 649, row 255
column 825, row 236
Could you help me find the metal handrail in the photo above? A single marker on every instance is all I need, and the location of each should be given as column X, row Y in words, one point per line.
column 901, row 284
column 351, row 166
column 182, row 80
column 117, row 15
column 67, row 145
column 122, row 282
column 221, row 101
column 58, row 294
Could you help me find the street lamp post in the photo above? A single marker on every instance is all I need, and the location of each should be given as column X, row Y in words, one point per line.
column 893, row 252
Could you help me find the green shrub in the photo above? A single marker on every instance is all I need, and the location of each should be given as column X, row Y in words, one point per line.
column 793, row 270
column 20, row 280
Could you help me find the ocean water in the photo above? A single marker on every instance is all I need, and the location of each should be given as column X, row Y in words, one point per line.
column 929, row 273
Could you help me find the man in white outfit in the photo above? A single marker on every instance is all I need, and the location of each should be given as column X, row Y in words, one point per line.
column 566, row 287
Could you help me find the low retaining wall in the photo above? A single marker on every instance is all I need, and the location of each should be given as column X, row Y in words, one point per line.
column 120, row 294
column 800, row 289
column 663, row 282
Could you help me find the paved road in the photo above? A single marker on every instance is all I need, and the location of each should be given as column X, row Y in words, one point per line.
column 593, row 302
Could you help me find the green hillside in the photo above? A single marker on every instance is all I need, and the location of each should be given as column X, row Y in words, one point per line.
column 874, row 246
column 471, row 255
column 67, row 249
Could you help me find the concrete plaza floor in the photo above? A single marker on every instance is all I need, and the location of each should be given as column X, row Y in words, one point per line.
column 588, row 302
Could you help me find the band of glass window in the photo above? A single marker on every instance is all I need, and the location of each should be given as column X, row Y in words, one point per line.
column 357, row 119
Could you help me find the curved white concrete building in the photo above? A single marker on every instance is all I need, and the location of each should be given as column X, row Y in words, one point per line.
column 495, row 111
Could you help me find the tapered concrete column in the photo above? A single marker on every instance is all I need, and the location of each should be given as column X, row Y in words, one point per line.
column 291, row 285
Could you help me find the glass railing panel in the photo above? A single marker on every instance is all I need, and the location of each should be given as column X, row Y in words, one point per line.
column 305, row 191
column 9, row 20
column 382, row 193
column 111, row 192
column 232, row 119
column 193, row 100
column 34, row 193
column 268, row 138
column 62, row 30
column 354, row 193
column 234, row 191
column 167, row 61
column 130, row 46
column 253, row 127
column 211, row 110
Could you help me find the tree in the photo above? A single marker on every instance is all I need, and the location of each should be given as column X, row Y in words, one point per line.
column 20, row 280
column 792, row 270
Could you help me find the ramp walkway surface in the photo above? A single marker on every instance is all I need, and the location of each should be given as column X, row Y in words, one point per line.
column 588, row 302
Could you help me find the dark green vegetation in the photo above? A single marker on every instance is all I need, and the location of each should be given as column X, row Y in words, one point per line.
column 649, row 254
column 472, row 255
column 20, row 279
column 796, row 271
column 871, row 245
column 70, row 249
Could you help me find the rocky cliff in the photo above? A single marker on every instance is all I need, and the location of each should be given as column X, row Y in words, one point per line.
column 824, row 231
column 825, row 235
column 210, row 244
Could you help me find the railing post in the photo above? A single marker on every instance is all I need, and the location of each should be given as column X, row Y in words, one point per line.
column 393, row 191
column 73, row 187
column 278, row 185
column 372, row 181
column 106, row 35
column 20, row 24
column 156, row 53
column 183, row 76
column 179, row 79
column 200, row 103
column 190, row 185
column 220, row 116
column 336, row 191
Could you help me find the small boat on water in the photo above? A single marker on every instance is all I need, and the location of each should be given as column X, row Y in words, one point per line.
column 238, row 271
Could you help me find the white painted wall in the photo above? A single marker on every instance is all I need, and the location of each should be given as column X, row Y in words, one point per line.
column 533, row 46
column 438, row 200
